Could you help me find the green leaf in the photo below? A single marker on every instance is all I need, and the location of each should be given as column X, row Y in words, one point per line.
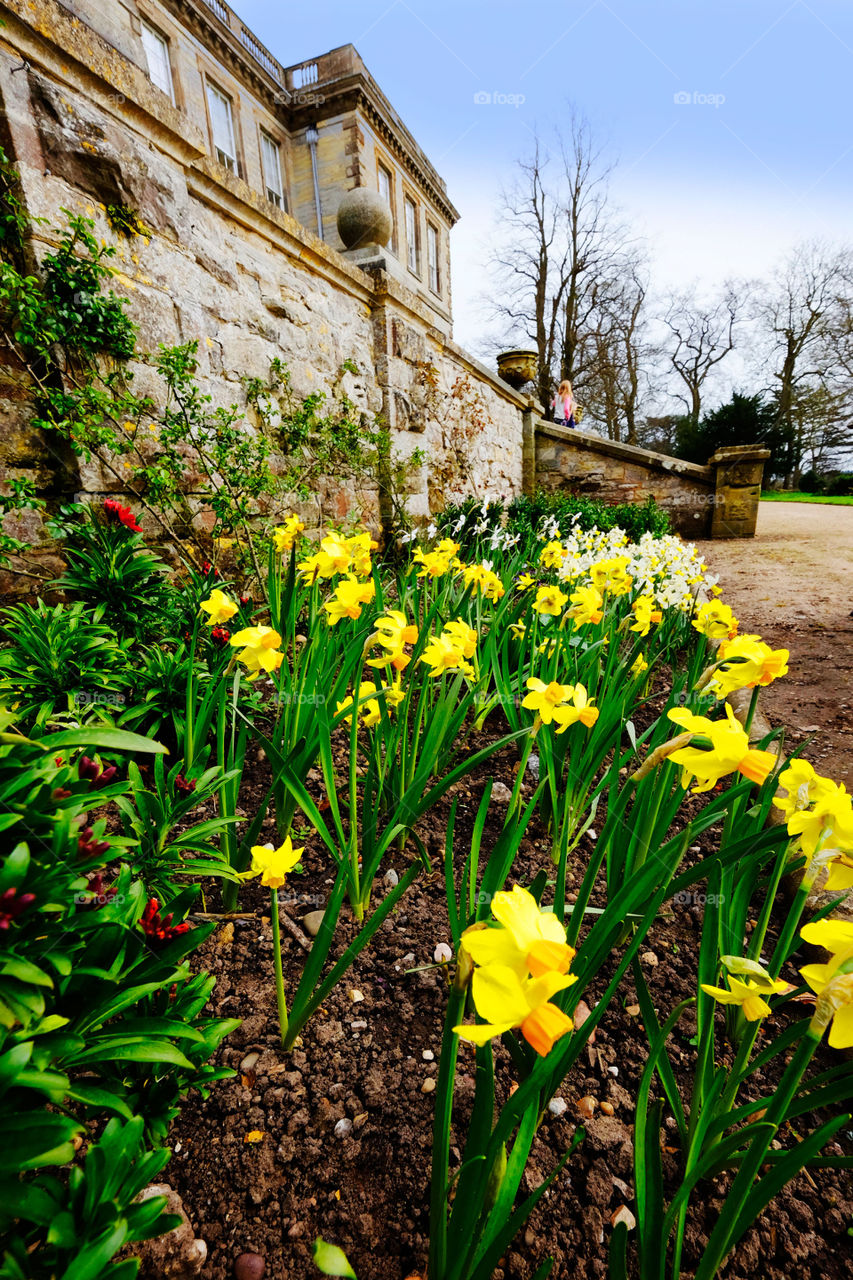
column 102, row 739
column 331, row 1260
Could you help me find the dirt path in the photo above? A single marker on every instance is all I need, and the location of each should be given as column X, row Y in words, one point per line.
column 793, row 585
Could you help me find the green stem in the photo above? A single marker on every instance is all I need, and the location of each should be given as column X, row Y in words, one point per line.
column 441, row 1133
column 279, row 975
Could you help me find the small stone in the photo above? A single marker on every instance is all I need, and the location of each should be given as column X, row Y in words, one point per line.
column 501, row 793
column 558, row 1106
column 585, row 1107
column 632, row 1009
column 443, row 954
column 359, row 1025
column 613, row 1071
column 582, row 1012
column 311, row 923
column 533, row 766
column 179, row 1254
column 649, row 958
column 623, row 1214
column 391, row 878
column 343, row 1128
column 249, row 1266
column 355, row 996
column 428, row 1055
column 428, row 1085
column 249, row 1061
column 606, row 1108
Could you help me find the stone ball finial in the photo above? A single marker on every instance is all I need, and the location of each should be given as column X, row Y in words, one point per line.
column 364, row 218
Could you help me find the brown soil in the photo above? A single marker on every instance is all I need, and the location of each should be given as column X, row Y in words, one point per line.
column 793, row 585
column 368, row 1062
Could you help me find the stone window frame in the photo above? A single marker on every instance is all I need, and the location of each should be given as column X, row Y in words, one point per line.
column 266, row 133
column 384, row 165
column 410, row 199
column 433, row 236
column 168, row 41
column 213, row 84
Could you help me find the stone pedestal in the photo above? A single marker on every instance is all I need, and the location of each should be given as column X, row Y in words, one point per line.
column 740, row 470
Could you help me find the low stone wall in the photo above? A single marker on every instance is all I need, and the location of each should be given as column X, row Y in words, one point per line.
column 719, row 500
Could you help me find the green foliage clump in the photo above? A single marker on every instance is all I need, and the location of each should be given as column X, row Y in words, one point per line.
column 526, row 514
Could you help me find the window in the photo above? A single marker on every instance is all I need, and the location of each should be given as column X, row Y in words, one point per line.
column 386, row 192
column 271, row 162
column 432, row 258
column 157, row 54
column 412, row 254
column 222, row 124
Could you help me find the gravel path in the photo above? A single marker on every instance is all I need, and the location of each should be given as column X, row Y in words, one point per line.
column 793, row 585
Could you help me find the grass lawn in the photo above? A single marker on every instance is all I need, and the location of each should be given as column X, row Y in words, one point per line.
column 776, row 496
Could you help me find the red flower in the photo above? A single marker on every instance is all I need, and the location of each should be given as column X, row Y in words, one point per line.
column 157, row 930
column 184, row 786
column 99, row 891
column 117, row 514
column 11, row 906
column 209, row 568
column 89, row 848
column 221, row 635
column 93, row 770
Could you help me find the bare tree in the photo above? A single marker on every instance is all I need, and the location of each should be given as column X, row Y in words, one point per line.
column 703, row 334
column 620, row 355
column 558, row 237
column 806, row 318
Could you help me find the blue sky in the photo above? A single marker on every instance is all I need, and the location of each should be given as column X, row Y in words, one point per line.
column 759, row 155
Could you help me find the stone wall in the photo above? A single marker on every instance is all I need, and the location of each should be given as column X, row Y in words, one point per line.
column 225, row 266
column 719, row 500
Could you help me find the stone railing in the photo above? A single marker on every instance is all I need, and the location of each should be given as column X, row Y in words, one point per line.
column 719, row 500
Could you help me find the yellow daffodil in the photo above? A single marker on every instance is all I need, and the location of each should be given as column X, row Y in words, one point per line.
column 259, row 649
column 447, row 547
column 828, row 825
column 505, row 1001
column 578, row 708
column 748, row 662
column 639, row 665
column 544, row 698
column 833, row 988
column 611, row 575
column 549, row 600
column 525, row 581
column 272, row 865
column 333, row 557
column 285, row 535
column 715, row 620
column 586, row 606
column 443, row 654
column 393, row 632
column 840, row 874
column 552, row 555
column 218, row 607
column 433, row 564
column 531, row 941
column 360, row 546
column 646, row 614
column 463, row 636
column 749, row 995
column 350, row 595
column 800, row 787
column 729, row 751
column 369, row 711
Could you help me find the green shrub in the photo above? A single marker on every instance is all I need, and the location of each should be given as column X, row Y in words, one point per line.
column 100, row 1017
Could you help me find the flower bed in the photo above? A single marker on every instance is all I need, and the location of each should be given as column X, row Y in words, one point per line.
column 505, row 940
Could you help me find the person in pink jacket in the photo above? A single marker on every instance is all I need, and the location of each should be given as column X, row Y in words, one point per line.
column 563, row 405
